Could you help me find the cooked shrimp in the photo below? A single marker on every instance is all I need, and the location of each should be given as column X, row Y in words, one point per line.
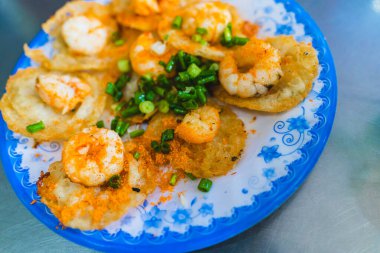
column 62, row 92
column 147, row 52
column 93, row 156
column 263, row 63
column 199, row 126
column 85, row 35
column 145, row 7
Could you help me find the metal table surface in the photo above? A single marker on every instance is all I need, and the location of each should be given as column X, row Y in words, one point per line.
column 338, row 207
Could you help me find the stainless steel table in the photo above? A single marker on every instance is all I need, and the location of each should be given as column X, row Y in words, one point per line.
column 338, row 207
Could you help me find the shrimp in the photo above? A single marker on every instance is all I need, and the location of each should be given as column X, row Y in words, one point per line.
column 251, row 69
column 93, row 156
column 199, row 126
column 145, row 7
column 62, row 92
column 147, row 52
column 85, row 35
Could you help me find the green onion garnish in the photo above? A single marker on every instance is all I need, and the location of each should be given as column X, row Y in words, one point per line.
column 121, row 127
column 184, row 76
column 191, row 176
column 136, row 155
column 155, row 146
column 117, row 96
column 240, row 41
column 146, row 107
column 205, row 185
column 119, row 106
column 130, row 111
column 115, row 36
column 196, row 38
column 136, row 133
column 205, row 80
column 119, row 42
column 170, row 65
column 181, row 58
column 100, row 124
column 214, row 67
column 163, row 81
column 166, row 37
column 177, row 22
column 201, row 30
column 173, row 179
column 114, row 123
column 165, row 148
column 227, row 33
column 114, row 182
column 33, row 128
column 190, row 105
column 193, row 70
column 139, row 97
column 150, row 95
column 200, row 95
column 110, row 89
column 124, row 66
column 159, row 91
column 163, row 106
column 167, row 135
column 203, row 42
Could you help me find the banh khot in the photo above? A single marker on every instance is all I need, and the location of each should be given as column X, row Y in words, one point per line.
column 170, row 69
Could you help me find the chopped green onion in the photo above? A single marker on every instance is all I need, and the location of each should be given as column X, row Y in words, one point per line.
column 177, row 22
column 124, row 129
column 227, row 33
column 163, row 81
column 191, row 176
column 136, row 155
column 155, row 146
column 33, row 128
column 100, row 124
column 163, row 64
column 203, row 42
column 200, row 95
column 196, row 38
column 193, row 70
column 119, row 42
column 205, row 185
column 117, row 97
column 121, row 82
column 240, row 41
column 178, row 109
column 214, row 67
column 130, row 111
column 110, row 89
column 170, row 65
column 184, row 76
column 136, row 133
column 121, row 127
column 173, row 179
column 165, row 148
column 139, row 97
column 115, row 36
column 114, row 123
column 119, row 106
column 194, row 59
column 190, row 105
column 123, row 65
column 166, row 37
column 150, row 95
column 147, row 78
column 181, row 58
column 163, row 106
column 208, row 79
column 146, row 107
column 114, row 182
column 186, row 95
column 160, row 91
column 201, row 30
column 167, row 135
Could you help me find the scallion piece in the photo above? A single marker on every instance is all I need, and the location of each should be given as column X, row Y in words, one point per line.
column 206, row 80
column 136, row 155
column 170, row 65
column 146, row 107
column 173, row 179
column 114, row 123
column 123, row 66
column 114, row 182
column 191, row 176
column 177, row 22
column 159, row 91
column 150, row 95
column 201, row 30
column 136, row 133
column 163, row 64
column 196, row 38
column 178, row 109
column 182, row 95
column 121, row 127
column 190, row 105
column 240, row 41
column 111, row 89
column 163, row 81
column 214, row 67
column 130, row 111
column 200, row 95
column 119, row 106
column 203, row 42
column 163, row 106
column 227, row 33
column 184, row 76
column 36, row 127
column 181, row 58
column 205, row 185
column 117, row 96
column 193, row 70
column 139, row 97
column 167, row 135
column 100, row 124
column 165, row 148
column 155, row 146
column 115, row 36
column 119, row 42
column 121, row 82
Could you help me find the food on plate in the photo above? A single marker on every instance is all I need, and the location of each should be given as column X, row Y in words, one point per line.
column 85, row 37
column 299, row 65
column 49, row 105
column 129, row 88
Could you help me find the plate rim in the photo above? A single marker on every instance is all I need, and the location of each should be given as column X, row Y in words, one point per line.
column 225, row 230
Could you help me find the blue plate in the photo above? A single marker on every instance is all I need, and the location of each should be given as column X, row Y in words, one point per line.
column 283, row 156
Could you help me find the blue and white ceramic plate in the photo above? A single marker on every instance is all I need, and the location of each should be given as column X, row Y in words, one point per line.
column 282, row 150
